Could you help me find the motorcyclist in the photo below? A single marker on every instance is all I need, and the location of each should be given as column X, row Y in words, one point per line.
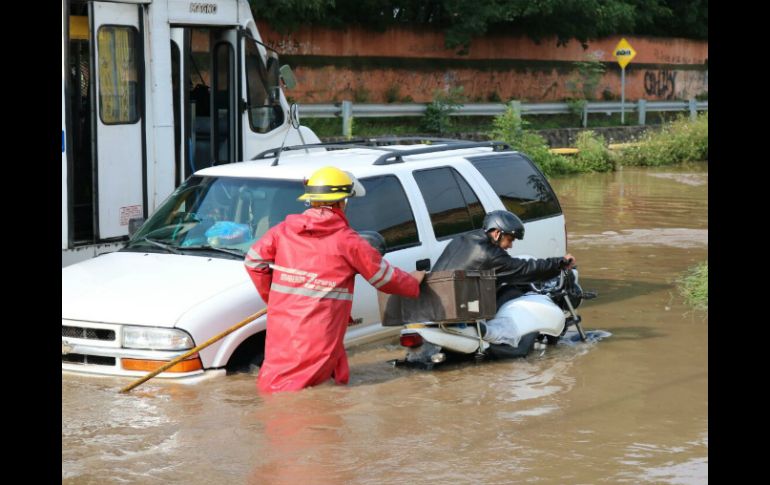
column 485, row 249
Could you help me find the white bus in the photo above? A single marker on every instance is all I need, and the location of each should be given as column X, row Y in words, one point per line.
column 153, row 90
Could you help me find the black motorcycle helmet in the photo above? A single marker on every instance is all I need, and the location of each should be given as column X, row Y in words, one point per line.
column 507, row 222
column 375, row 239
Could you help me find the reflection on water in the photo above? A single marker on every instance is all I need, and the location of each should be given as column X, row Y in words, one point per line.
column 628, row 407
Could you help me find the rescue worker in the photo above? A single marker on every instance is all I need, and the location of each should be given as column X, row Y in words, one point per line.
column 304, row 269
column 485, row 249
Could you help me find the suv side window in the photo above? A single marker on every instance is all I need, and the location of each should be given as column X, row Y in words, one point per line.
column 384, row 209
column 452, row 204
column 523, row 188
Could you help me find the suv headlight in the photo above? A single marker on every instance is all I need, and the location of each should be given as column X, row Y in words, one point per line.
column 156, row 338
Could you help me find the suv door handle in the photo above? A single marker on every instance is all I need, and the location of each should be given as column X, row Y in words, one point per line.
column 422, row 265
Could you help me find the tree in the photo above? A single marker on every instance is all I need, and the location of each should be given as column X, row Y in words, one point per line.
column 461, row 20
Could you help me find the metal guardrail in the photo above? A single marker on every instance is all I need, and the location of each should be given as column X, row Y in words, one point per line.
column 347, row 110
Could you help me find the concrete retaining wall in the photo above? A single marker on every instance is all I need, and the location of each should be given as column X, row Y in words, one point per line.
column 404, row 65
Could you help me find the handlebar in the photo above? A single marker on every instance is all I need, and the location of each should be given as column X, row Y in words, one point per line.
column 558, row 287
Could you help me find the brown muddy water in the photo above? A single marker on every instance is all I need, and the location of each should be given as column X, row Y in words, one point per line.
column 631, row 408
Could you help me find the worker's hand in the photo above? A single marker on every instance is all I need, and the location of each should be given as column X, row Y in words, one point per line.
column 571, row 262
column 418, row 275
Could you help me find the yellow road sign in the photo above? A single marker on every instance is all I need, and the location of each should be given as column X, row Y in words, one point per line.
column 624, row 52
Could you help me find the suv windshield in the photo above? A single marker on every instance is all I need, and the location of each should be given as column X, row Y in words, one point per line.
column 218, row 215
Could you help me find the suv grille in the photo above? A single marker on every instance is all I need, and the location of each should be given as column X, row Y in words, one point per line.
column 88, row 359
column 87, row 333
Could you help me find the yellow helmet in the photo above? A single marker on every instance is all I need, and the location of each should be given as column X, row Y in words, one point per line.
column 330, row 184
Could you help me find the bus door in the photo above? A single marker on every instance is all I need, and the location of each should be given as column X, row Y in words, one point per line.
column 118, row 85
column 205, row 82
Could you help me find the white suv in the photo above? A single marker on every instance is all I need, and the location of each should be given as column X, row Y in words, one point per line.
column 180, row 280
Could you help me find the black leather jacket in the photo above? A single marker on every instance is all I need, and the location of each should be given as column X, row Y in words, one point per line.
column 474, row 251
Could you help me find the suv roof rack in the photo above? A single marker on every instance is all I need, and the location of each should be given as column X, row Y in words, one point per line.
column 393, row 156
column 396, row 156
column 357, row 143
column 414, row 139
column 275, row 152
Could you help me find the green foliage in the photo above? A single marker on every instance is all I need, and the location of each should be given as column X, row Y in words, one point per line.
column 583, row 82
column 393, row 93
column 436, row 119
column 536, row 148
column 509, row 127
column 361, row 95
column 673, row 18
column 593, row 155
column 586, row 77
column 323, row 127
column 579, row 19
column 287, row 15
column 462, row 20
column 680, row 141
column 576, row 107
column 394, row 126
column 694, row 286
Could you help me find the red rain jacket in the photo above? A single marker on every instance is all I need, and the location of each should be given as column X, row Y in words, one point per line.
column 305, row 268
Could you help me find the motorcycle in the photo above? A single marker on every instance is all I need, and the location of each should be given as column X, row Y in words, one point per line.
column 532, row 321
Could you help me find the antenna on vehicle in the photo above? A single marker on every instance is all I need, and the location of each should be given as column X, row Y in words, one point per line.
column 280, row 149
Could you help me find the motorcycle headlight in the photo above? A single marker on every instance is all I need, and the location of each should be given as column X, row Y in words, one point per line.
column 551, row 284
column 156, row 338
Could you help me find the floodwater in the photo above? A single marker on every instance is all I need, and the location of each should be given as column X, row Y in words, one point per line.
column 631, row 408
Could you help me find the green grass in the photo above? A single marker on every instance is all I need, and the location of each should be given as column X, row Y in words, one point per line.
column 680, row 141
column 366, row 127
column 694, row 286
column 413, row 125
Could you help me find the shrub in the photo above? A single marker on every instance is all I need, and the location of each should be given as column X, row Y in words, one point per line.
column 493, row 97
column 593, row 155
column 361, row 95
column 436, row 119
column 509, row 127
column 681, row 141
column 694, row 286
column 393, row 93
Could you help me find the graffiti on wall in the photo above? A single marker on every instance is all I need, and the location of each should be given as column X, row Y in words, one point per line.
column 660, row 84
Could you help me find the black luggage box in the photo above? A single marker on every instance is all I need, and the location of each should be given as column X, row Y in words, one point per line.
column 445, row 296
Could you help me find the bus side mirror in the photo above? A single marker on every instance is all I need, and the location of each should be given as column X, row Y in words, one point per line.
column 288, row 77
